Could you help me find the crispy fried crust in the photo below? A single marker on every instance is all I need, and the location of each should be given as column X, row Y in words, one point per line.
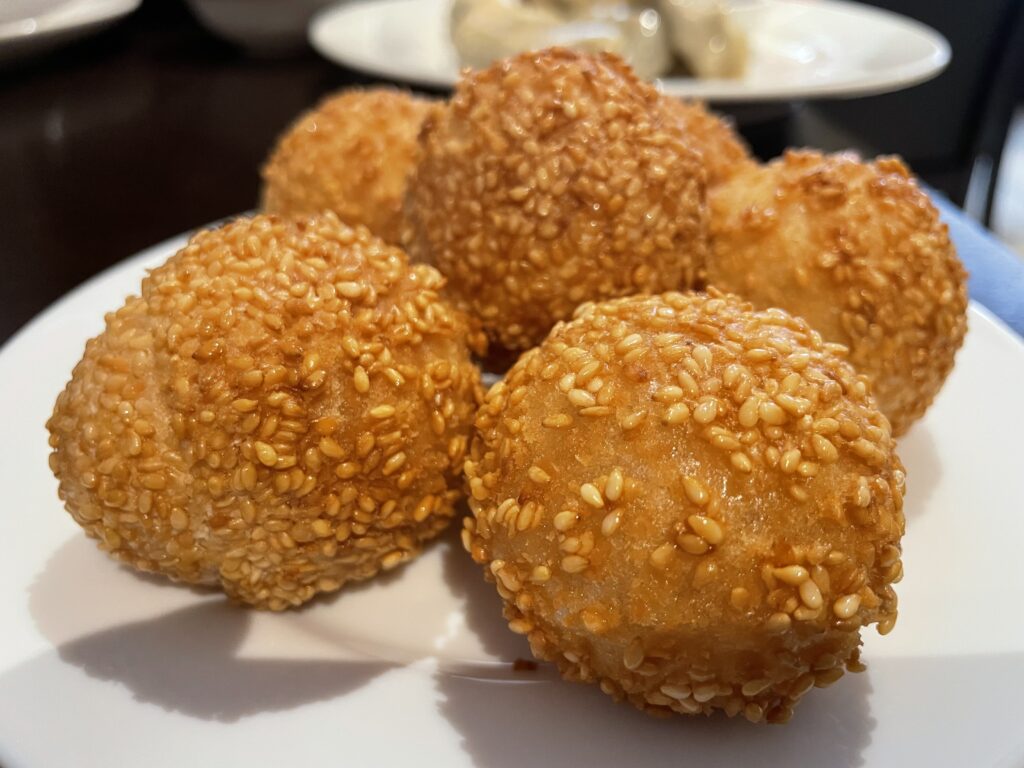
column 554, row 178
column 692, row 503
column 858, row 250
column 284, row 408
column 352, row 154
column 722, row 150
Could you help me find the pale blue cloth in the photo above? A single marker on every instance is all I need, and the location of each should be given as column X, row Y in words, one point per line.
column 996, row 273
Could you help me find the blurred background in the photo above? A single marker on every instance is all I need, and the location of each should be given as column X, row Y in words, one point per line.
column 160, row 120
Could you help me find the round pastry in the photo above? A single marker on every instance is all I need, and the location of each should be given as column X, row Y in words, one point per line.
column 723, row 151
column 351, row 154
column 858, row 250
column 550, row 179
column 284, row 409
column 695, row 504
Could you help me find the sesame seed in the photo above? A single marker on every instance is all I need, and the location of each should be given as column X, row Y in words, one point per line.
column 668, row 394
column 558, row 421
column 662, row 555
column 613, row 486
column 824, row 448
column 794, row 575
column 676, row 691
column 754, row 687
column 706, row 528
column 706, row 411
column 810, row 594
column 382, row 411
column 741, row 461
column 574, row 564
column 564, row 520
column 863, row 493
column 581, row 398
column 677, row 413
column 633, row 656
column 693, row 545
column 393, row 464
column 758, row 355
column 538, row 475
column 265, row 453
column 885, row 625
column 695, row 491
column 632, row 420
column 688, row 383
column 797, row 406
column 361, row 380
column 629, row 343
column 748, row 412
column 739, row 598
column 540, row 574
column 807, row 469
column 178, row 519
column 611, row 523
column 703, row 356
column 330, row 448
column 790, row 460
column 591, row 496
column 704, row 693
column 770, row 413
column 846, row 606
column 392, row 559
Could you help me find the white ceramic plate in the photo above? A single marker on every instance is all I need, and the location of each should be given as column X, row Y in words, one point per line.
column 800, row 49
column 102, row 667
column 31, row 26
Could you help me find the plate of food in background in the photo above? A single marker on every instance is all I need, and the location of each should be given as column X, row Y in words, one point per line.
column 734, row 416
column 30, row 27
column 714, row 50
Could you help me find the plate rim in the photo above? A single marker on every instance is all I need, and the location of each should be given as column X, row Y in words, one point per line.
column 56, row 21
column 899, row 78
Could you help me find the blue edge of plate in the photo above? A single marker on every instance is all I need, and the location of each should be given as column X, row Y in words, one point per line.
column 996, row 273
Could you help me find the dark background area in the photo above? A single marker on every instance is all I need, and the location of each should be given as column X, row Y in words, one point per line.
column 154, row 127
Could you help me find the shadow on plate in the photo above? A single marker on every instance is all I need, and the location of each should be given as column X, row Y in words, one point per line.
column 482, row 603
column 186, row 661
column 917, row 450
column 183, row 660
column 572, row 724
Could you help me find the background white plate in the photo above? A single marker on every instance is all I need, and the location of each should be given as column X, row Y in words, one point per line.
column 800, row 49
column 32, row 26
column 102, row 667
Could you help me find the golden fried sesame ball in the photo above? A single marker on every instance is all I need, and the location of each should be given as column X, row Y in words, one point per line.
column 858, row 250
column 550, row 179
column 723, row 151
column 351, row 154
column 282, row 410
column 692, row 503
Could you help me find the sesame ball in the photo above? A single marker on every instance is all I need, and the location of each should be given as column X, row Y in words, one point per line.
column 858, row 250
column 722, row 150
column 691, row 503
column 351, row 154
column 550, row 179
column 283, row 409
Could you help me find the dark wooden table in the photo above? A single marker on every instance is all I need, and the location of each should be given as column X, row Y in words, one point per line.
column 121, row 140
